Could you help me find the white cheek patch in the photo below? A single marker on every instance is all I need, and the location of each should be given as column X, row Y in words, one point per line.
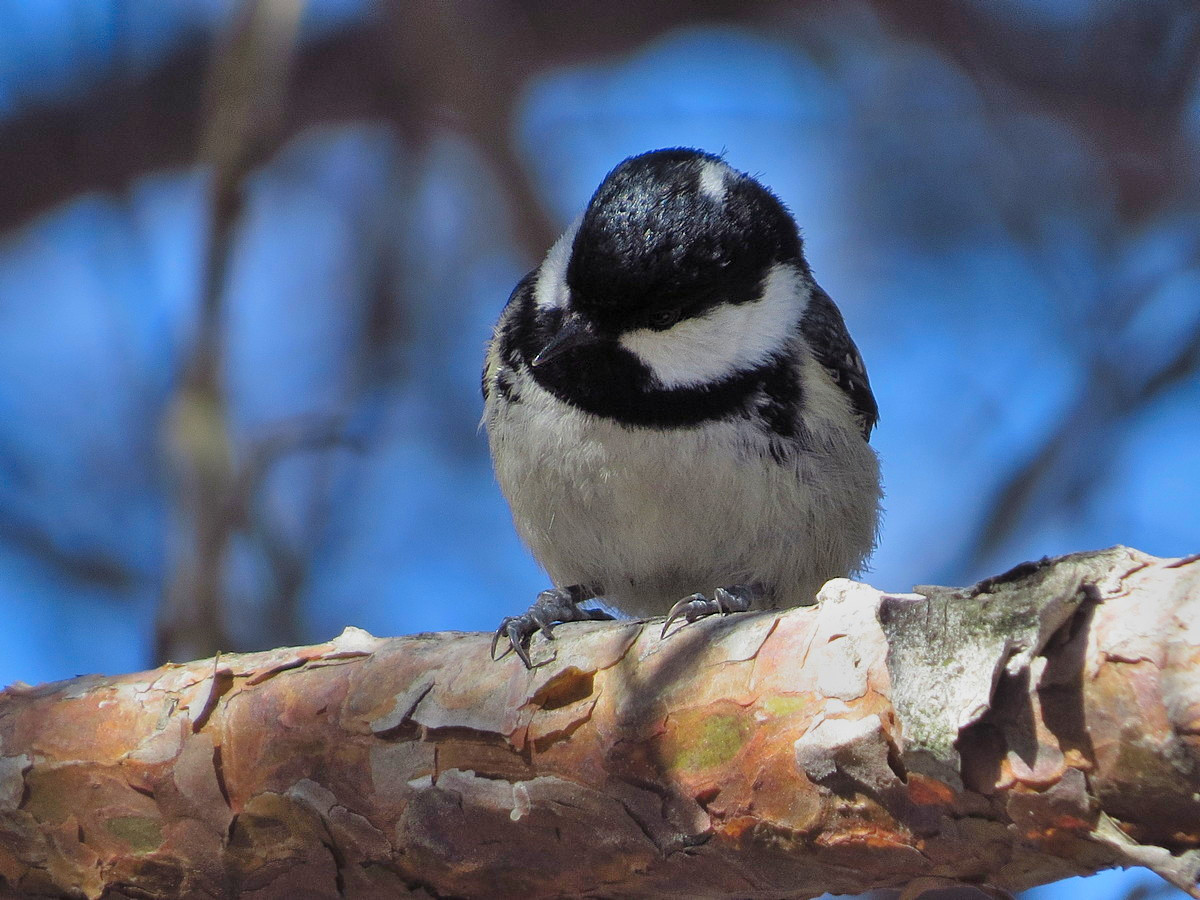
column 550, row 291
column 712, row 180
column 730, row 338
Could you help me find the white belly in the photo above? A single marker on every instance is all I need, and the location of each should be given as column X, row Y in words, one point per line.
column 650, row 516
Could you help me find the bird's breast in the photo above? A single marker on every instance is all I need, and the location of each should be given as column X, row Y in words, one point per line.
column 651, row 515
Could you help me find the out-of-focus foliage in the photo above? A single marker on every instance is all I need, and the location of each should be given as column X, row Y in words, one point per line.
column 1003, row 198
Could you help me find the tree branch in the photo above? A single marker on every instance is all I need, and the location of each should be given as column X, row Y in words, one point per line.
column 126, row 128
column 1041, row 724
column 248, row 84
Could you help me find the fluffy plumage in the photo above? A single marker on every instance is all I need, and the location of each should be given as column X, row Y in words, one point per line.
column 672, row 403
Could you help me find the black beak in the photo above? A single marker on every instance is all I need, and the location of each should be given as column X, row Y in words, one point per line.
column 575, row 331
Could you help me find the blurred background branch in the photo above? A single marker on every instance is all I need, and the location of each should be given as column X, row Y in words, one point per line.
column 247, row 89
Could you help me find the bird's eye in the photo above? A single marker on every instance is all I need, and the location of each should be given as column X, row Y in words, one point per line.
column 663, row 318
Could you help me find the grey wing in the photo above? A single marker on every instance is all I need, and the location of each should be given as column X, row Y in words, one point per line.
column 825, row 330
column 501, row 359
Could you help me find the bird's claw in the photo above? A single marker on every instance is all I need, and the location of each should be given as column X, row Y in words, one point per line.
column 737, row 598
column 518, row 630
column 551, row 606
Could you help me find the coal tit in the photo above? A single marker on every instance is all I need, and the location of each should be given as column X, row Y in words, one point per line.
column 676, row 413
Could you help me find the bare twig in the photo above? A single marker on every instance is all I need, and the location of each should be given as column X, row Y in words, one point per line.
column 248, row 82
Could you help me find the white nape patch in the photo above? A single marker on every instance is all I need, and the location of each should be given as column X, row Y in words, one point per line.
column 729, row 338
column 712, row 180
column 550, row 291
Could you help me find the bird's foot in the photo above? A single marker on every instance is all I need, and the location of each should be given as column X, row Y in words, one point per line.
column 556, row 605
column 735, row 598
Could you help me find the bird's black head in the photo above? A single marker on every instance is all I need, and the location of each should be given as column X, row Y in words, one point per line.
column 670, row 234
column 673, row 300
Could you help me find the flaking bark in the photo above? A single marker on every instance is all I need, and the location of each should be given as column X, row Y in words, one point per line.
column 1042, row 724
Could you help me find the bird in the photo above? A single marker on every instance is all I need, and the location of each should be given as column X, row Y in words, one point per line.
column 675, row 410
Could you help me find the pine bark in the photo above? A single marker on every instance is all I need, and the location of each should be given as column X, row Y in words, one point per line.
column 1041, row 724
